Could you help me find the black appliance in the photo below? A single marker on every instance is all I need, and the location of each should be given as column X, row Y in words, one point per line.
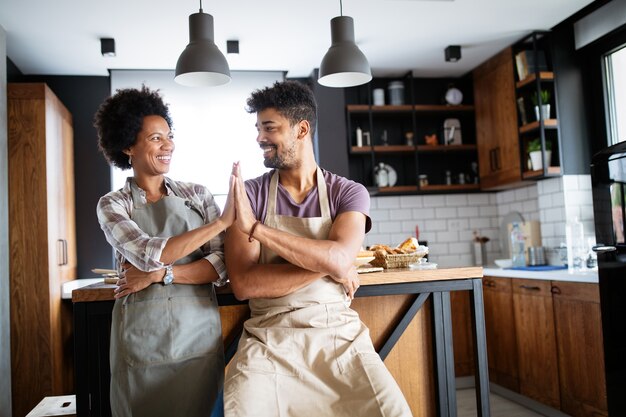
column 608, row 178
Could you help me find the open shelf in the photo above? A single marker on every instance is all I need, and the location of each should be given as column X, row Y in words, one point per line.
column 548, row 123
column 398, row 189
column 452, row 187
column 539, row 173
column 364, row 108
column 446, row 148
column 543, row 76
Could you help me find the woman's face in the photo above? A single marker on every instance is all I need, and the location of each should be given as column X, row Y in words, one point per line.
column 152, row 152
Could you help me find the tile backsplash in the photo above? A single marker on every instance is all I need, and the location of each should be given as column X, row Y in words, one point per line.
column 447, row 222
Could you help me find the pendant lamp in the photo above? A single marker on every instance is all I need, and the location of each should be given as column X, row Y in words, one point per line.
column 201, row 64
column 344, row 65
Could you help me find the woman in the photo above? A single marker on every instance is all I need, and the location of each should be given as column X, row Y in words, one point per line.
column 166, row 347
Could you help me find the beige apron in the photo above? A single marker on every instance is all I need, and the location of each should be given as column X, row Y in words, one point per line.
column 308, row 353
column 166, row 341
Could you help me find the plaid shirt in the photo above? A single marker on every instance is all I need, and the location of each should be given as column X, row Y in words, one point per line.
column 133, row 245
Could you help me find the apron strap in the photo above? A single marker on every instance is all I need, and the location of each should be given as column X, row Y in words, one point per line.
column 322, row 194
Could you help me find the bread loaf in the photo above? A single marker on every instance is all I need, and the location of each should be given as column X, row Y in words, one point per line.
column 410, row 245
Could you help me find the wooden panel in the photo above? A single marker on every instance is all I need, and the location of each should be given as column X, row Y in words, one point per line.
column 581, row 356
column 410, row 361
column 500, row 328
column 39, row 128
column 536, row 341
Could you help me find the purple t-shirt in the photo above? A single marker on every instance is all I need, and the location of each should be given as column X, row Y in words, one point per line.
column 343, row 195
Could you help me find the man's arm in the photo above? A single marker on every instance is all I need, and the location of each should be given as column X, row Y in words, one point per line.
column 249, row 279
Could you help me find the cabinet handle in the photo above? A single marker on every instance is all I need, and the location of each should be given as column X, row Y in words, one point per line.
column 491, row 161
column 497, row 153
column 61, row 252
column 555, row 290
column 530, row 288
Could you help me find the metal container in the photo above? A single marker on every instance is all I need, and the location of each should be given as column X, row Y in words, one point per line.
column 536, row 255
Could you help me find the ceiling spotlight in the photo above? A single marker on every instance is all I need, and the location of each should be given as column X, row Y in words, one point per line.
column 453, row 53
column 107, row 47
column 201, row 64
column 232, row 47
column 344, row 65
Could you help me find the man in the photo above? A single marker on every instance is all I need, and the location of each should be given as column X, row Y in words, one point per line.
column 303, row 352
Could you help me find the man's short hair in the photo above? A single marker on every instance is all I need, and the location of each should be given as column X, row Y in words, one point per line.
column 294, row 100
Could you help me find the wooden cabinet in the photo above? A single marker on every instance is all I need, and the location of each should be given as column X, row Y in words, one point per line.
column 536, row 341
column 496, row 123
column 42, row 243
column 580, row 351
column 535, row 92
column 501, row 332
column 395, row 135
column 462, row 334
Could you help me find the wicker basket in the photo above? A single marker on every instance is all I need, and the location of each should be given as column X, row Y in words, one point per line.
column 395, row 261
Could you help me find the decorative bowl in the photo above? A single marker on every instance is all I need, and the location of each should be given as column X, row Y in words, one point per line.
column 504, row 263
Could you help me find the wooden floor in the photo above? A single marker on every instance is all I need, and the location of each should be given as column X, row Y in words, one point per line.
column 500, row 406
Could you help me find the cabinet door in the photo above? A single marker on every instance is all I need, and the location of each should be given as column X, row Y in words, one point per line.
column 581, row 356
column 500, row 328
column 496, row 122
column 536, row 341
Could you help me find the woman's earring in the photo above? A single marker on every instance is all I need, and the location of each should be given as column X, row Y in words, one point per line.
column 130, row 160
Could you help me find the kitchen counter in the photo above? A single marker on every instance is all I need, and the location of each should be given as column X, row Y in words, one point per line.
column 413, row 341
column 558, row 275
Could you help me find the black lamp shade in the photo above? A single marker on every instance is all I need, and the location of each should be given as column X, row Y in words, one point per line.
column 107, row 47
column 201, row 63
column 344, row 65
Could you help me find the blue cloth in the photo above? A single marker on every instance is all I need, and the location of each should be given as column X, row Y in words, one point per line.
column 538, row 268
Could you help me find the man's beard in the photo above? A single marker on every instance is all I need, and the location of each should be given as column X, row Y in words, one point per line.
column 283, row 161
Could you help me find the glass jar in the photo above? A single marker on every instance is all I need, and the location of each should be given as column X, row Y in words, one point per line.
column 423, row 180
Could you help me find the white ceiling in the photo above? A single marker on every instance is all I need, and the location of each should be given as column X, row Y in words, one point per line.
column 61, row 37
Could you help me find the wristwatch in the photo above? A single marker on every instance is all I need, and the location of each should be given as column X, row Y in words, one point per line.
column 168, row 278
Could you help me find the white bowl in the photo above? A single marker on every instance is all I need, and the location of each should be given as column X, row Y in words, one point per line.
column 504, row 263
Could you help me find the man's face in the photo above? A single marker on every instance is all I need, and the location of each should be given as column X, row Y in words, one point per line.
column 277, row 139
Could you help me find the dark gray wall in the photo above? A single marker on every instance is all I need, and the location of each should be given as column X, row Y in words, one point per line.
column 92, row 176
column 5, row 329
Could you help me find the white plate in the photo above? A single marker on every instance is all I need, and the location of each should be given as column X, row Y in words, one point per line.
column 423, row 265
column 393, row 176
column 363, row 260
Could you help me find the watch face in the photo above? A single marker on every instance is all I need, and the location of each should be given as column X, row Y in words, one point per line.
column 169, row 276
column 454, row 96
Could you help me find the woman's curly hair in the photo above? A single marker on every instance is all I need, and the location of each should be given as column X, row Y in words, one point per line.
column 120, row 118
column 292, row 99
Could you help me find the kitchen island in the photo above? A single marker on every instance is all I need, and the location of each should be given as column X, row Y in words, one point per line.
column 414, row 342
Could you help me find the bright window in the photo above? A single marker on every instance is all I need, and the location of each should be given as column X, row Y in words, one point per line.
column 615, row 98
column 211, row 127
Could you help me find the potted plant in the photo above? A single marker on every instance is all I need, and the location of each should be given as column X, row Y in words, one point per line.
column 534, row 153
column 544, row 100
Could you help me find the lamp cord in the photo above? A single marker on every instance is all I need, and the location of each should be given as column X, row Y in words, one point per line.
column 200, row 6
column 340, row 8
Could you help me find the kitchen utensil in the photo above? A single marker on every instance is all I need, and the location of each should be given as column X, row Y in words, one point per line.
column 536, row 255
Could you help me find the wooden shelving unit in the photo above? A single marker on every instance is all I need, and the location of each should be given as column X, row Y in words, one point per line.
column 452, row 187
column 527, row 175
column 548, row 124
column 543, row 76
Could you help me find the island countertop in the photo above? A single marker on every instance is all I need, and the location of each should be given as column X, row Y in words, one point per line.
column 99, row 291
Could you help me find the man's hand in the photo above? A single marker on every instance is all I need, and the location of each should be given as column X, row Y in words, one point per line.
column 350, row 282
column 228, row 216
column 133, row 280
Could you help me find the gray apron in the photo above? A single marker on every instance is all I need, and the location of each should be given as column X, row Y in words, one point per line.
column 166, row 341
column 308, row 353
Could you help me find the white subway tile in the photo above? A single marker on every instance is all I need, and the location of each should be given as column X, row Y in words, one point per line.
column 570, row 182
column 379, row 215
column 479, row 223
column 460, row 248
column 423, row 213
column 506, row 196
column 433, row 225
column 389, row 227
column 493, row 199
column 437, row 248
column 445, row 213
column 409, row 226
column 521, row 194
column 552, row 185
column 586, row 213
column 488, row 211
column 545, row 202
column 388, row 202
column 400, row 214
column 448, row 237
column 373, row 239
column 558, row 200
column 478, row 199
column 469, row 211
column 434, row 201
column 529, row 206
column 584, row 182
column 532, row 191
column 373, row 201
column 458, row 224
column 466, row 235
column 456, row 200
column 554, row 215
column 547, row 230
column 397, row 238
column 411, row 201
column 578, row 197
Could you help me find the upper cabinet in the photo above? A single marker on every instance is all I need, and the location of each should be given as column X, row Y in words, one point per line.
column 517, row 129
column 409, row 135
column 535, row 96
column 496, row 123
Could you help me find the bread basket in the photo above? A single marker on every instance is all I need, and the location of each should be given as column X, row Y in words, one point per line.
column 403, row 260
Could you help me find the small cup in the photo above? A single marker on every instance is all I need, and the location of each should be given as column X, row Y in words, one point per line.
column 379, row 97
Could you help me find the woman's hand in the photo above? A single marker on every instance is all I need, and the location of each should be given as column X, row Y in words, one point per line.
column 245, row 216
column 133, row 280
column 350, row 282
column 228, row 216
